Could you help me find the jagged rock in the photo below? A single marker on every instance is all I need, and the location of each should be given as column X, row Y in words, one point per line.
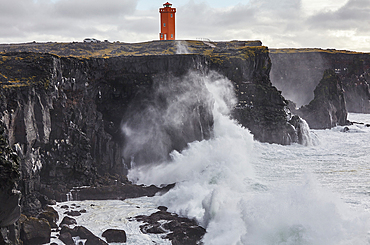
column 10, row 209
column 296, row 72
column 73, row 213
column 83, row 233
column 66, row 238
column 68, row 221
column 35, row 231
column 328, row 108
column 114, row 235
column 162, row 208
column 179, row 230
column 9, row 177
column 119, row 192
column 51, row 215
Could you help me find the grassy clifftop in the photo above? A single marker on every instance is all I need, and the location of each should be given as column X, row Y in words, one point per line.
column 31, row 63
column 108, row 49
column 311, row 50
column 24, row 68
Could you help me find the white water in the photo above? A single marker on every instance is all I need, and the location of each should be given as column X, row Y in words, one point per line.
column 246, row 192
column 182, row 47
column 114, row 214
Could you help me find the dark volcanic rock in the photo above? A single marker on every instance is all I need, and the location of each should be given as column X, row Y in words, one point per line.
column 68, row 221
column 296, row 72
column 35, row 231
column 328, row 108
column 66, row 238
column 179, row 230
column 83, row 233
column 118, row 192
column 73, row 213
column 10, row 209
column 114, row 235
column 261, row 108
column 50, row 215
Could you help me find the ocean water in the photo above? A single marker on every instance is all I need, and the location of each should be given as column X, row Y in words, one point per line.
column 252, row 193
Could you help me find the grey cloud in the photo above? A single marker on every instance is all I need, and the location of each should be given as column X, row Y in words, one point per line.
column 66, row 18
column 355, row 14
column 276, row 23
column 201, row 20
column 94, row 9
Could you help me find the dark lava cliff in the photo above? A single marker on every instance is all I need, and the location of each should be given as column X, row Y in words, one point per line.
column 297, row 72
column 64, row 115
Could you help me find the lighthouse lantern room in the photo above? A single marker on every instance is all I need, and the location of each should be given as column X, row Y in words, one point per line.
column 167, row 22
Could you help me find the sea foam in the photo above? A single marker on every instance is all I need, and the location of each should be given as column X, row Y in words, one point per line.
column 216, row 183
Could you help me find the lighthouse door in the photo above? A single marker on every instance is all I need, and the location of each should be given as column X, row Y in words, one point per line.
column 165, row 36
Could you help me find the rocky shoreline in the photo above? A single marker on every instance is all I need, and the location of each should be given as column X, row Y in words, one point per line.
column 42, row 227
column 63, row 106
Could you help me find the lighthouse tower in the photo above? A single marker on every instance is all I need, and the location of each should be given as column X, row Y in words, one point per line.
column 167, row 22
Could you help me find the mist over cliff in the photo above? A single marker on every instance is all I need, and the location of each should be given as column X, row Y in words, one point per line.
column 297, row 72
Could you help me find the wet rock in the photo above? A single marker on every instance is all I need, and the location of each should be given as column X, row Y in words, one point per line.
column 35, row 231
column 73, row 213
column 162, row 208
column 68, row 221
column 114, row 235
column 51, row 215
column 84, row 233
column 179, row 230
column 188, row 235
column 10, row 209
column 328, row 108
column 120, row 192
column 66, row 238
column 155, row 228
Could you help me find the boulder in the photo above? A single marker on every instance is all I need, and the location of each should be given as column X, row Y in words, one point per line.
column 83, row 233
column 51, row 215
column 9, row 208
column 35, row 231
column 66, row 237
column 73, row 213
column 114, row 235
column 68, row 221
column 179, row 230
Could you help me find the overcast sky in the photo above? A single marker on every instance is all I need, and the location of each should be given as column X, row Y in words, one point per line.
column 339, row 24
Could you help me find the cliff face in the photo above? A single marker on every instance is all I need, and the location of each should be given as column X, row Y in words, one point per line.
column 83, row 121
column 66, row 123
column 297, row 72
column 261, row 107
column 328, row 108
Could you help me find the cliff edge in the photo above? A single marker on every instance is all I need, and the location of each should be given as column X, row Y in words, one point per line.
column 64, row 108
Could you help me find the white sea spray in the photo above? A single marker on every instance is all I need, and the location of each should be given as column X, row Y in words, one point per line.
column 217, row 183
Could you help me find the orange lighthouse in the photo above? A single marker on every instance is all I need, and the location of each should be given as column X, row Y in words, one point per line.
column 167, row 22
